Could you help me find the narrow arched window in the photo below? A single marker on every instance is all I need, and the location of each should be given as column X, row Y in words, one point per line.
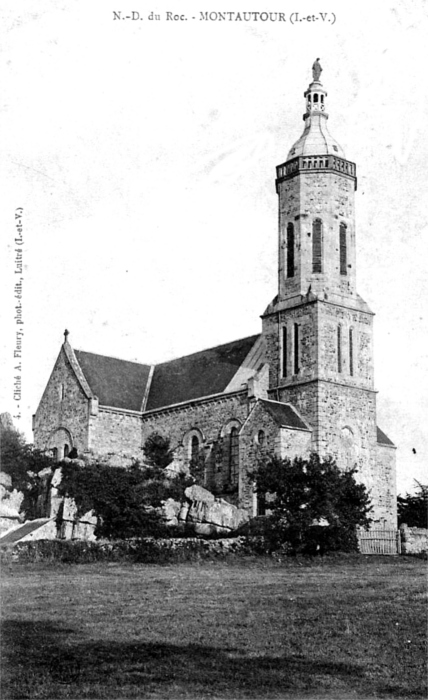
column 296, row 348
column 284, row 356
column 351, row 352
column 290, row 250
column 55, row 453
column 261, row 438
column 317, row 246
column 194, row 449
column 339, row 349
column 233, row 455
column 66, row 450
column 315, row 97
column 343, row 250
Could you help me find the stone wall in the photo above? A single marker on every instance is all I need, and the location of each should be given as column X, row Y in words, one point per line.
column 329, row 196
column 284, row 442
column 305, row 315
column 115, row 431
column 384, row 488
column 208, row 419
column 414, row 540
column 63, row 413
column 330, row 317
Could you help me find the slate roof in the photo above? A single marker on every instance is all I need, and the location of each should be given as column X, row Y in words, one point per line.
column 117, row 383
column 382, row 438
column 284, row 414
column 201, row 374
column 123, row 384
column 22, row 531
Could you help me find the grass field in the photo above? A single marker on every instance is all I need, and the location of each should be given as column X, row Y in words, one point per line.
column 347, row 627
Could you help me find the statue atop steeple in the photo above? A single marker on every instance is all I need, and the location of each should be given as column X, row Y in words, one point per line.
column 316, row 71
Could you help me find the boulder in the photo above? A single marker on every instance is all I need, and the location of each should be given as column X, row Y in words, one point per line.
column 184, row 512
column 170, row 511
column 198, row 493
column 5, row 480
column 209, row 514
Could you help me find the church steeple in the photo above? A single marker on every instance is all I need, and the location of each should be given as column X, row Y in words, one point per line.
column 318, row 331
column 316, row 138
column 316, row 210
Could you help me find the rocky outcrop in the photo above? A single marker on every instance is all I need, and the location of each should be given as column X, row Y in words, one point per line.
column 10, row 504
column 204, row 513
column 74, row 527
column 200, row 511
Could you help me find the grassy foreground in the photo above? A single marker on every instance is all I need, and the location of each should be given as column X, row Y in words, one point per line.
column 347, row 627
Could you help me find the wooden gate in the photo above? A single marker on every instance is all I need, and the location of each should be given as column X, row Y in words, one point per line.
column 379, row 541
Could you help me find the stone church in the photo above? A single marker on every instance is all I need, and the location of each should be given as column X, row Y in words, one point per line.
column 305, row 383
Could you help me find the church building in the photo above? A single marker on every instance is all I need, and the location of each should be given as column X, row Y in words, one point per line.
column 304, row 384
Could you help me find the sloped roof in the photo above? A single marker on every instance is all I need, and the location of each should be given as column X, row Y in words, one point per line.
column 123, row 384
column 117, row 383
column 201, row 374
column 382, row 438
column 23, row 530
column 284, row 414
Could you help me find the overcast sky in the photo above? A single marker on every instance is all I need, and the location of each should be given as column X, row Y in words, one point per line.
column 143, row 154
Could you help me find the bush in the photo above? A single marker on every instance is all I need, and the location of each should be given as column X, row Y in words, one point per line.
column 126, row 502
column 315, row 508
column 138, row 550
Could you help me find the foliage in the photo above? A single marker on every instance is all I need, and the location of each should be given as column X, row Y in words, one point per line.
column 124, row 500
column 24, row 464
column 197, row 469
column 314, row 506
column 157, row 451
column 142, row 550
column 18, row 458
column 413, row 510
column 15, row 455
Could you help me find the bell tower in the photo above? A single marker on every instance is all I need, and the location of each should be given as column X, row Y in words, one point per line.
column 316, row 186
column 318, row 330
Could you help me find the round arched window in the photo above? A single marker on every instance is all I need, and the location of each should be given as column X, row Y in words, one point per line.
column 261, row 437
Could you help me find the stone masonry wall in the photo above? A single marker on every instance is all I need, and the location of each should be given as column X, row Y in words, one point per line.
column 330, row 197
column 115, row 431
column 414, row 540
column 210, row 421
column 209, row 417
column 330, row 317
column 346, row 428
column 384, row 488
column 63, row 406
column 343, row 419
column 284, row 442
column 305, row 317
column 251, row 450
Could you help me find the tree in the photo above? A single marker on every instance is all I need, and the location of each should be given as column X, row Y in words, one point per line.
column 157, row 451
column 314, row 506
column 24, row 463
column 14, row 455
column 413, row 510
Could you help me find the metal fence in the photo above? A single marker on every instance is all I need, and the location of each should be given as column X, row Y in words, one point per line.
column 379, row 541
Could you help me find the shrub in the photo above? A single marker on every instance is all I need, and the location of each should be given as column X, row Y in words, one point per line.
column 314, row 506
column 126, row 501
